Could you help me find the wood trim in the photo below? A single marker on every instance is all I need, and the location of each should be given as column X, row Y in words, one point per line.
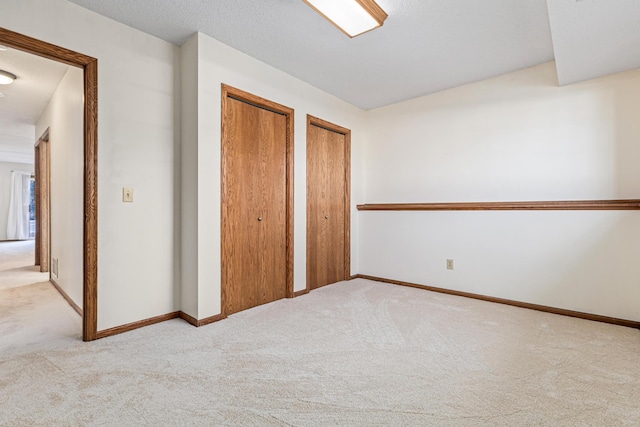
column 45, row 248
column 290, row 199
column 197, row 323
column 190, row 319
column 537, row 307
column 629, row 204
column 300, row 293
column 158, row 319
column 312, row 120
column 374, row 10
column 36, row 162
column 90, row 237
column 90, row 264
column 44, row 49
column 42, row 170
column 66, row 296
column 136, row 325
column 249, row 98
column 370, row 6
column 347, row 205
column 238, row 94
column 315, row 121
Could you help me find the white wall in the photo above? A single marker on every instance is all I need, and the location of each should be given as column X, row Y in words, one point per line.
column 63, row 116
column 189, row 174
column 136, row 134
column 217, row 64
column 514, row 137
column 5, row 191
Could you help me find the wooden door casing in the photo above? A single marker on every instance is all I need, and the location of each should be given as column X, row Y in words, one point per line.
column 42, row 169
column 257, row 200
column 328, row 203
column 89, row 66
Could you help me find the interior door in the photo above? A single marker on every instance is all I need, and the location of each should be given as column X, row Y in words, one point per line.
column 254, row 215
column 328, row 199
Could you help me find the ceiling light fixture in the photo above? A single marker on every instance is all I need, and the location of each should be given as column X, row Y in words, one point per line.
column 6, row 78
column 353, row 17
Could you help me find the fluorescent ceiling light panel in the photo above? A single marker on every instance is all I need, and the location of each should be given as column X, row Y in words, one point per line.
column 353, row 17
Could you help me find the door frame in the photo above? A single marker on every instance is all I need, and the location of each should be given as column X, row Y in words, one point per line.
column 315, row 121
column 42, row 154
column 240, row 95
column 90, row 130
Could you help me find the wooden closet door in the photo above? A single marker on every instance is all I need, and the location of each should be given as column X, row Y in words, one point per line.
column 327, row 206
column 254, row 215
column 273, row 201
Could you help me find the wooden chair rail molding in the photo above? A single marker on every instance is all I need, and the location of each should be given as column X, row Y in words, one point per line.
column 568, row 205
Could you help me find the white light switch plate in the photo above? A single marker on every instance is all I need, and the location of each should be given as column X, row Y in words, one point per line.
column 127, row 195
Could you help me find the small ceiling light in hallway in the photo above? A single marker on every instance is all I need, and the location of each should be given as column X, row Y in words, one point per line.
column 353, row 17
column 6, row 78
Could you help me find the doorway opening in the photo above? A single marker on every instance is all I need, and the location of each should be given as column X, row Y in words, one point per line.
column 89, row 67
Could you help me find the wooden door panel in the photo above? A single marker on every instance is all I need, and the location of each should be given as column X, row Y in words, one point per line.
column 240, row 233
column 254, row 214
column 327, row 196
column 316, row 223
column 273, row 202
column 335, row 207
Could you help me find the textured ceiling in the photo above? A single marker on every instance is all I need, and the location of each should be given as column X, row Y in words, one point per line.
column 423, row 47
column 593, row 38
column 24, row 100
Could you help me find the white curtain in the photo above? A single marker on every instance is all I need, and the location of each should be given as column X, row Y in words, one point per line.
column 18, row 223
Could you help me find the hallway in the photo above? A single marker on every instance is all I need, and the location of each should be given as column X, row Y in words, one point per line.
column 16, row 265
column 32, row 312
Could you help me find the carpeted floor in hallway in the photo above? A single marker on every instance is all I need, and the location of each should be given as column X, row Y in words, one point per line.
column 356, row 353
column 16, row 264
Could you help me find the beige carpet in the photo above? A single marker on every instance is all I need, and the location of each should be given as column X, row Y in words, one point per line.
column 356, row 353
column 16, row 264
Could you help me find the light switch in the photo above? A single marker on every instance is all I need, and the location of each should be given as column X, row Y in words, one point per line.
column 127, row 195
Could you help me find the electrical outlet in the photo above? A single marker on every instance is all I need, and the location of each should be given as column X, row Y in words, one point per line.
column 127, row 195
column 54, row 266
column 449, row 264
